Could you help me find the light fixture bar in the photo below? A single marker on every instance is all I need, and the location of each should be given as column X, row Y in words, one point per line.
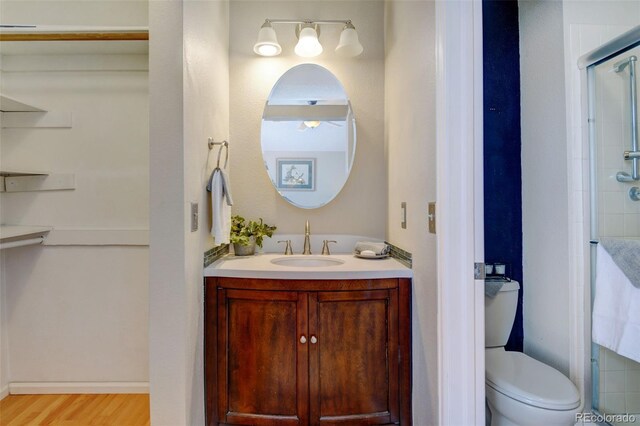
column 308, row 33
column 308, row 21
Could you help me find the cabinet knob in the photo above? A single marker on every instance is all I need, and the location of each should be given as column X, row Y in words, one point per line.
column 303, row 340
column 314, row 340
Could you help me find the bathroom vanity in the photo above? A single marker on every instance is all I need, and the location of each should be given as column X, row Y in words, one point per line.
column 307, row 345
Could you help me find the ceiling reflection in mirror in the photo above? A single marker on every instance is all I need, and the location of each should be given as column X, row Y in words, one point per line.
column 308, row 136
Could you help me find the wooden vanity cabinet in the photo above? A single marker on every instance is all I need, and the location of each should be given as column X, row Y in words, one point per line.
column 285, row 352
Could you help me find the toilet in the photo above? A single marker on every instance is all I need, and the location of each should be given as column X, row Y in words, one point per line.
column 520, row 390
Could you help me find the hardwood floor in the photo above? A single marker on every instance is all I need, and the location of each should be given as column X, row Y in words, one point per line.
column 75, row 410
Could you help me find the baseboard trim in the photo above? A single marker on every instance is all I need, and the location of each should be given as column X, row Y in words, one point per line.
column 23, row 388
column 4, row 392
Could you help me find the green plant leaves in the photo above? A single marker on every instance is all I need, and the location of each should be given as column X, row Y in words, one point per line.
column 241, row 231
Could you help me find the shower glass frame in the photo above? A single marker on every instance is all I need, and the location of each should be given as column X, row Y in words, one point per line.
column 594, row 233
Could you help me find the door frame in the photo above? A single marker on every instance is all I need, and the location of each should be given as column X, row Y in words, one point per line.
column 460, row 211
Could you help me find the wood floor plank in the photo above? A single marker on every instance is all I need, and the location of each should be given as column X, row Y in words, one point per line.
column 75, row 410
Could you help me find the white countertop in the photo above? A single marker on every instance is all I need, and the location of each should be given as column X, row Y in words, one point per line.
column 260, row 266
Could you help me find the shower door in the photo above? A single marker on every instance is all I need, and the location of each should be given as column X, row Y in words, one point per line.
column 614, row 211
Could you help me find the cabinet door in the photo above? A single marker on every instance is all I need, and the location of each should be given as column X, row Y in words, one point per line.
column 353, row 357
column 262, row 361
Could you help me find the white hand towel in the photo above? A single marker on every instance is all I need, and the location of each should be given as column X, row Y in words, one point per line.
column 226, row 187
column 379, row 249
column 616, row 309
column 220, row 210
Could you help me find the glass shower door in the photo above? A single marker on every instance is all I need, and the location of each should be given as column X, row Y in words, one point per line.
column 614, row 211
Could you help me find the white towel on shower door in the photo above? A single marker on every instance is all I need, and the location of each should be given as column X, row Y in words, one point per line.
column 616, row 309
column 220, row 210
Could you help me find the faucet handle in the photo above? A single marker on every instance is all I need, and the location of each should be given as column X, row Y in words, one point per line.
column 287, row 248
column 325, row 246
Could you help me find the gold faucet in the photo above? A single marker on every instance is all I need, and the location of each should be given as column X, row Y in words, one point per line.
column 307, row 241
column 287, row 249
column 325, row 246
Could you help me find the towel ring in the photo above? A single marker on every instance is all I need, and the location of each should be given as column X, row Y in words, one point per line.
column 223, row 144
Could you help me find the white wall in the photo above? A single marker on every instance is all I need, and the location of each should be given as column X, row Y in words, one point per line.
column 410, row 140
column 189, row 102
column 75, row 12
column 60, row 303
column 167, row 293
column 544, row 184
column 252, row 78
column 206, row 114
column 106, row 147
column 587, row 25
column 77, row 314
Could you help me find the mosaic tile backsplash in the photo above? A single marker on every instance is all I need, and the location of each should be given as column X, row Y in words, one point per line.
column 400, row 255
column 214, row 254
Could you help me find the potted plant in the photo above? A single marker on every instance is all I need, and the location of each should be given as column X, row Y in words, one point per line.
column 246, row 235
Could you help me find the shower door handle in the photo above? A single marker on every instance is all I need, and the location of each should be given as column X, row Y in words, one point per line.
column 630, row 155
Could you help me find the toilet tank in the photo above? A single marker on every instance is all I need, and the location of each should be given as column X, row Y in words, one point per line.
column 499, row 313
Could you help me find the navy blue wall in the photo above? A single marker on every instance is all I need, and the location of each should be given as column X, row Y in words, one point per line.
column 502, row 168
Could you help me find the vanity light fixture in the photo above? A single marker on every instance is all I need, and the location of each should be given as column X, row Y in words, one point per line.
column 308, row 44
column 267, row 44
column 349, row 44
column 308, row 33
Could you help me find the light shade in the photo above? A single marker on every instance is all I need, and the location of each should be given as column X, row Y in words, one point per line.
column 312, row 124
column 349, row 44
column 267, row 44
column 308, row 45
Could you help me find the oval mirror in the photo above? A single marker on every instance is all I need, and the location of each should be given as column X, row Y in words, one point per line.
column 308, row 136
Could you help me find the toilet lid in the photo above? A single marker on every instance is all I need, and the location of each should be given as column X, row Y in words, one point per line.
column 529, row 381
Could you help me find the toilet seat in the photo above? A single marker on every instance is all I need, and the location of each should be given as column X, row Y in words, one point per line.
column 529, row 381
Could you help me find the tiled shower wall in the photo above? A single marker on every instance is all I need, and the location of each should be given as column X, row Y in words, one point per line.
column 619, row 384
column 618, row 216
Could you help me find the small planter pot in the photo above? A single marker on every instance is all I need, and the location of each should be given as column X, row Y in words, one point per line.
column 247, row 250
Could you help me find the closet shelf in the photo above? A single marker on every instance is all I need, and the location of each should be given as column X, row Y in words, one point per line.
column 10, row 233
column 17, row 114
column 8, row 104
column 14, row 173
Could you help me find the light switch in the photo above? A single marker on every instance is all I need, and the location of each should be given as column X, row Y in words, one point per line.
column 194, row 217
column 432, row 217
column 403, row 215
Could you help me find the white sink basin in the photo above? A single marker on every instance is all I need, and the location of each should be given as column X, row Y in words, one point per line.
column 306, row 261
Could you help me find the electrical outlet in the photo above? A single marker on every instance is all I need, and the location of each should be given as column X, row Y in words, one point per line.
column 194, row 217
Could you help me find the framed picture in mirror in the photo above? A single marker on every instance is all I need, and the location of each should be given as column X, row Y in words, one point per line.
column 296, row 174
